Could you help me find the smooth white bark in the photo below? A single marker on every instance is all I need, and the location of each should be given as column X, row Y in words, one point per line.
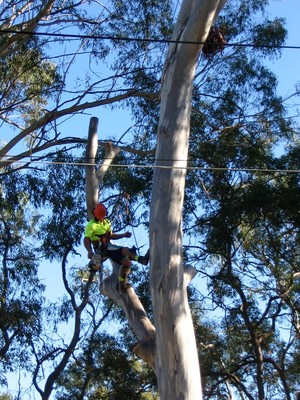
column 176, row 362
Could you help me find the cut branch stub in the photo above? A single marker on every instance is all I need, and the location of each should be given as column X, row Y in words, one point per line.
column 94, row 176
column 92, row 184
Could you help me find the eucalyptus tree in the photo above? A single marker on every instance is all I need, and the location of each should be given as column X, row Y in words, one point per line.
column 236, row 121
column 165, row 348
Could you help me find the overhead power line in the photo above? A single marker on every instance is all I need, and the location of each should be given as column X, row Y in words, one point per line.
column 145, row 40
column 160, row 166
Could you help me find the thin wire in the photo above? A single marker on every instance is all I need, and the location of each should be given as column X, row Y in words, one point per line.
column 131, row 39
column 158, row 166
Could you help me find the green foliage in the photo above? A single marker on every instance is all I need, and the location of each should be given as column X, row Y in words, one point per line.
column 269, row 35
column 251, row 224
column 21, row 292
column 59, row 193
column 105, row 369
column 6, row 397
column 27, row 79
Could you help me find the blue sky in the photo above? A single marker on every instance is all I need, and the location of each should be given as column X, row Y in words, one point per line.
column 287, row 67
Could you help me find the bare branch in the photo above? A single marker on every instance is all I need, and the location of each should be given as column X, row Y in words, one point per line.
column 56, row 114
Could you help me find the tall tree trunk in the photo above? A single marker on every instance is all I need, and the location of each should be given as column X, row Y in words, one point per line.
column 176, row 362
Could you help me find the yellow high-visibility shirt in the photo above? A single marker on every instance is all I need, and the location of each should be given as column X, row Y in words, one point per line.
column 94, row 228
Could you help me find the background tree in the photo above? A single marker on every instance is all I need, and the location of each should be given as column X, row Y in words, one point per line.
column 30, row 75
column 21, row 292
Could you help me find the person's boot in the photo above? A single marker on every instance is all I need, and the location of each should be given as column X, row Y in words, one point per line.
column 93, row 267
column 144, row 259
column 96, row 262
column 133, row 250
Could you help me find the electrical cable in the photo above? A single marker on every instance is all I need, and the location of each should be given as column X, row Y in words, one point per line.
column 160, row 166
column 113, row 38
column 145, row 40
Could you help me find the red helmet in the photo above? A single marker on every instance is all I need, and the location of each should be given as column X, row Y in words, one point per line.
column 100, row 211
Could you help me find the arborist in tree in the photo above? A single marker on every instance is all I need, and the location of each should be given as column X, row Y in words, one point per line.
column 98, row 233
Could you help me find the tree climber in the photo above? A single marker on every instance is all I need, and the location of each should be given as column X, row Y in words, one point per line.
column 97, row 236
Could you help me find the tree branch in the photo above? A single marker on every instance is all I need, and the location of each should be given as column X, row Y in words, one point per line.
column 55, row 115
